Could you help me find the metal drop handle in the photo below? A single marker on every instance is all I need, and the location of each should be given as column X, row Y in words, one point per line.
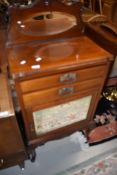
column 68, row 77
column 66, row 91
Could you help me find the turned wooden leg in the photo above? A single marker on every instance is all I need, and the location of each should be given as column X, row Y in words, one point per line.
column 22, row 166
column 32, row 155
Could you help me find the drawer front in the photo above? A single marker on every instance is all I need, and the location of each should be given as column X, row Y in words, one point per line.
column 61, row 79
column 57, row 93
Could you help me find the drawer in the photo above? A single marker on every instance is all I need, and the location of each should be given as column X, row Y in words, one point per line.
column 61, row 79
column 58, row 93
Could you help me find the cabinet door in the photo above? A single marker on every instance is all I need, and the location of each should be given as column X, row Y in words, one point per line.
column 61, row 117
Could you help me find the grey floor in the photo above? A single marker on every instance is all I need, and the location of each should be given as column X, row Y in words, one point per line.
column 60, row 155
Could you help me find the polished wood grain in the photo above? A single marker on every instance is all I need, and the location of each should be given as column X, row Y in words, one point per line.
column 42, row 83
column 3, row 55
column 32, row 99
column 5, row 98
column 27, row 17
column 105, row 38
column 84, row 53
column 12, row 149
column 40, row 88
column 53, row 68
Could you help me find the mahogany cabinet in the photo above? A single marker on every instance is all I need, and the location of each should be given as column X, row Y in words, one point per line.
column 57, row 72
column 12, row 149
column 58, row 85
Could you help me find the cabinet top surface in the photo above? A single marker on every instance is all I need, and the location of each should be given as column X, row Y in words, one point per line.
column 55, row 56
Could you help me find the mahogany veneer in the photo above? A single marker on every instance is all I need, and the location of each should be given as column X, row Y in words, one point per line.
column 58, row 77
column 58, row 72
column 44, row 21
column 12, row 149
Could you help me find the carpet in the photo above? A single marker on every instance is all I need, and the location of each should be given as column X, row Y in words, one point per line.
column 107, row 166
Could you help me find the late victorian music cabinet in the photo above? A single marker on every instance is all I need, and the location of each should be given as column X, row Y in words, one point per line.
column 58, row 73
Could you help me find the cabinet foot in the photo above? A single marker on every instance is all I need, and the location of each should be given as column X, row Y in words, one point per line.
column 32, row 156
column 22, row 166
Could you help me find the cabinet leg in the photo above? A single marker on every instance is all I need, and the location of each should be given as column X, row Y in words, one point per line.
column 32, row 156
column 22, row 166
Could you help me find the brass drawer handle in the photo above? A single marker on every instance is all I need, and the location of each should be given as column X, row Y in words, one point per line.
column 1, row 162
column 66, row 91
column 68, row 77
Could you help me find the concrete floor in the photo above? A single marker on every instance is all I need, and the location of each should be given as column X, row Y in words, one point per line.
column 60, row 155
